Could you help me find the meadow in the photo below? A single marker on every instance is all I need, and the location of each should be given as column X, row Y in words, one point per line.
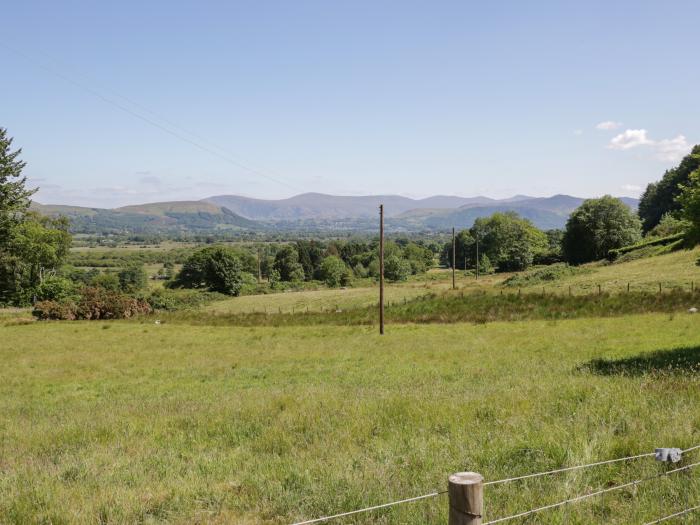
column 252, row 410
column 131, row 422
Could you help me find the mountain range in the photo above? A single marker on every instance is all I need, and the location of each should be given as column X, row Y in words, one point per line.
column 314, row 211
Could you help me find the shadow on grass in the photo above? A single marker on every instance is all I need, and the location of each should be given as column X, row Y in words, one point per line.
column 676, row 361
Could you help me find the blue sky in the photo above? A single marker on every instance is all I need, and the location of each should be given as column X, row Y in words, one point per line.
column 413, row 98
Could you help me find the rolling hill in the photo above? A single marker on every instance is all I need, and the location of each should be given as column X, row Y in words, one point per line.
column 314, row 212
column 161, row 217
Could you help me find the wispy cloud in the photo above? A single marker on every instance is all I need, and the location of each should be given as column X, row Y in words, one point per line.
column 631, row 187
column 578, row 132
column 668, row 150
column 630, row 138
column 608, row 125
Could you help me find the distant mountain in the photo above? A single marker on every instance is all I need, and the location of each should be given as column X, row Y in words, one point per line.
column 405, row 214
column 322, row 206
column 159, row 217
column 314, row 212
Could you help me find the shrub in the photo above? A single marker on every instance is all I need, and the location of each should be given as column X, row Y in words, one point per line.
column 132, row 278
column 173, row 300
column 98, row 303
column 55, row 310
column 54, row 289
column 216, row 268
column 396, row 269
column 546, row 274
column 334, row 272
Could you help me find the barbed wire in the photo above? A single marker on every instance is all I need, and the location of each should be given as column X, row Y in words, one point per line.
column 516, row 478
column 674, row 515
column 589, row 495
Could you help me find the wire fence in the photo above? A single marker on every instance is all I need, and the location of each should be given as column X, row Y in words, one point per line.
column 530, row 512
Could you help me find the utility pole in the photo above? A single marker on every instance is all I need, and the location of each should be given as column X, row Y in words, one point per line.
column 477, row 256
column 381, row 269
column 454, row 255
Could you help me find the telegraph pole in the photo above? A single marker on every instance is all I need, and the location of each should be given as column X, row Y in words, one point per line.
column 454, row 255
column 381, row 269
column 477, row 256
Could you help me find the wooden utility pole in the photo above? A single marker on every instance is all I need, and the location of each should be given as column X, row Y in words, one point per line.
column 466, row 493
column 454, row 258
column 477, row 255
column 381, row 269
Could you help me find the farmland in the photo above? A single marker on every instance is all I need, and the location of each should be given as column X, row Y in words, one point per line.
column 127, row 422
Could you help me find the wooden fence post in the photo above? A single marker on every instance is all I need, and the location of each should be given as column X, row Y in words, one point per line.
column 466, row 493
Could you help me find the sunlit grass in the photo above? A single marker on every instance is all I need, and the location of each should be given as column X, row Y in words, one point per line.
column 125, row 422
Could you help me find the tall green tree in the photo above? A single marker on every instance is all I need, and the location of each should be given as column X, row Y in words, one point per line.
column 598, row 226
column 214, row 268
column 14, row 196
column 689, row 200
column 661, row 197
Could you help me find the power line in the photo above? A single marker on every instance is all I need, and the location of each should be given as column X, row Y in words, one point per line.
column 221, row 154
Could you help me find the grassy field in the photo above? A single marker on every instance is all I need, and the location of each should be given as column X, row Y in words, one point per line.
column 673, row 270
column 126, row 422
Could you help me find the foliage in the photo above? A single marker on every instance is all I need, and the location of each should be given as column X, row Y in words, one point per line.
column 214, row 268
column 14, row 197
column 94, row 303
column 598, row 226
column 396, row 268
column 669, row 225
column 55, row 288
column 334, row 272
column 132, row 278
column 546, row 274
column 173, row 300
column 661, row 198
column 287, row 264
column 648, row 242
column 508, row 241
column 689, row 199
column 35, row 249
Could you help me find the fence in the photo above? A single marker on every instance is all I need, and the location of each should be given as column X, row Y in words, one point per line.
column 466, row 492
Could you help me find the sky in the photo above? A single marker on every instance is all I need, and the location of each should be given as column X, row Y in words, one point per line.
column 128, row 102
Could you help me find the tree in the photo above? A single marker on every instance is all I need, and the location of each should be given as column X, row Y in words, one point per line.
column 661, row 197
column 287, row 264
column 509, row 242
column 334, row 272
column 14, row 197
column 396, row 269
column 132, row 278
column 598, row 226
column 689, row 199
column 215, row 268
column 35, row 248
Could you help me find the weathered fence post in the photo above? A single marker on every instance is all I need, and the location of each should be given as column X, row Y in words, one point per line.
column 466, row 493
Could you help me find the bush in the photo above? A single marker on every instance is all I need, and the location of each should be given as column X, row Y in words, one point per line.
column 132, row 278
column 173, row 300
column 54, row 289
column 98, row 303
column 55, row 311
column 334, row 272
column 396, row 269
column 546, row 274
column 215, row 268
column 654, row 241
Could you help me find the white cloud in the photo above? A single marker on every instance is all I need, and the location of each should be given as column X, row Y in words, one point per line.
column 630, row 138
column 608, row 125
column 578, row 132
column 631, row 187
column 672, row 149
column 667, row 150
